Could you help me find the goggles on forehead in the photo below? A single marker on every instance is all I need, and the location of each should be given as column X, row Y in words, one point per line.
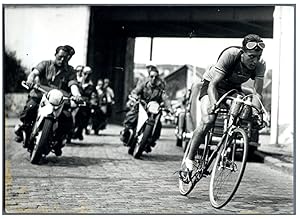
column 252, row 45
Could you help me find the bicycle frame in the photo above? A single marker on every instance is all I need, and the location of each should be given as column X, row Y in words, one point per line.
column 208, row 159
column 230, row 124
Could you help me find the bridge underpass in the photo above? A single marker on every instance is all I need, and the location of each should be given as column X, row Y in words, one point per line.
column 113, row 30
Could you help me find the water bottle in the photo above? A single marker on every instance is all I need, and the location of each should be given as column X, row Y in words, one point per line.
column 236, row 105
column 246, row 109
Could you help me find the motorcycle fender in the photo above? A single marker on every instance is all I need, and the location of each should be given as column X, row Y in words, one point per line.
column 142, row 118
column 45, row 109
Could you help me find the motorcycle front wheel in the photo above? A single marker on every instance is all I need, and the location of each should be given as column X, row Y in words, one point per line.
column 41, row 141
column 142, row 142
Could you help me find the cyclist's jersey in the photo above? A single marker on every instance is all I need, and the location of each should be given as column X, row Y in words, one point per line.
column 235, row 73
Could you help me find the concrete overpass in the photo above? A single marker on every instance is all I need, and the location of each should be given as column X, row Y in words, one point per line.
column 113, row 29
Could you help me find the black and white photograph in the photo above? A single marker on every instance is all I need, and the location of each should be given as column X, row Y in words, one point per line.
column 148, row 109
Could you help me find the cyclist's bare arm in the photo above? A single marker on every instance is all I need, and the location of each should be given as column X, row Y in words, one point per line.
column 247, row 90
column 258, row 88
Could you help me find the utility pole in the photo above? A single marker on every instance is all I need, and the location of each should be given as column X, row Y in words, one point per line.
column 151, row 48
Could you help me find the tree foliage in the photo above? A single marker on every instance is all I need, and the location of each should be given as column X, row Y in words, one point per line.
column 13, row 73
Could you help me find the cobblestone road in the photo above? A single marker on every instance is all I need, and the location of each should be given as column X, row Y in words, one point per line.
column 97, row 176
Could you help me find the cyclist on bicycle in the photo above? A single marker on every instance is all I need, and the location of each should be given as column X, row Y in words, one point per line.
column 234, row 67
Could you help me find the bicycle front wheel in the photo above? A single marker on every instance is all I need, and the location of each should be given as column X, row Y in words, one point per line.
column 229, row 168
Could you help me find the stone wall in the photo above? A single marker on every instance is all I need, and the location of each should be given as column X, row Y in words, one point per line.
column 14, row 104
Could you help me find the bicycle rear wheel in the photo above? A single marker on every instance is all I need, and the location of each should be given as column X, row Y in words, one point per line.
column 229, row 168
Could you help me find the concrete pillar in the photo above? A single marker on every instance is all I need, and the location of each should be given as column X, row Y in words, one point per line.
column 283, row 73
column 129, row 67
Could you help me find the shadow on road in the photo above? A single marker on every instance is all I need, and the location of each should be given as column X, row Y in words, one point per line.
column 255, row 158
column 76, row 161
column 161, row 157
column 86, row 144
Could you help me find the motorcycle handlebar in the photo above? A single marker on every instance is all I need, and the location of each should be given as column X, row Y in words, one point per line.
column 39, row 88
column 34, row 86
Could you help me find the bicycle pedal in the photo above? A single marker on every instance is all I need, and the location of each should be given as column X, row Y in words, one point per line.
column 185, row 176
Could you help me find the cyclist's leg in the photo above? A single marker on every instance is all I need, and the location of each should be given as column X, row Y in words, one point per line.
column 205, row 124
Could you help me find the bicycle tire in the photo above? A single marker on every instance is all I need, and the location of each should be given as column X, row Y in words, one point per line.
column 227, row 172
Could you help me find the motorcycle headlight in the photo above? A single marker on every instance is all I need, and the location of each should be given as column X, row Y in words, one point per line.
column 55, row 97
column 153, row 107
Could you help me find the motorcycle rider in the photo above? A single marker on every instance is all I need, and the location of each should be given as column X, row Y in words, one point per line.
column 82, row 117
column 53, row 73
column 234, row 67
column 153, row 89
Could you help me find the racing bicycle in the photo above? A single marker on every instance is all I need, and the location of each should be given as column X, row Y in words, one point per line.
column 224, row 157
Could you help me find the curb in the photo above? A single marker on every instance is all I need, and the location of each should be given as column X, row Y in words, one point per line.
column 276, row 163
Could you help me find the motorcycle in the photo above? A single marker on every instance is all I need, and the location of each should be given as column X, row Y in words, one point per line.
column 41, row 138
column 142, row 138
